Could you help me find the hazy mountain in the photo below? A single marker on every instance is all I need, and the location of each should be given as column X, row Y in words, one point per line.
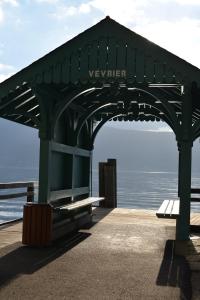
column 140, row 150
column 19, row 145
column 134, row 150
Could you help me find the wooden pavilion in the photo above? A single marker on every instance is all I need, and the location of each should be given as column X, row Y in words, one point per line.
column 105, row 73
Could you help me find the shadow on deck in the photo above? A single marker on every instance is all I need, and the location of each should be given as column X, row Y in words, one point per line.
column 18, row 259
column 175, row 271
column 126, row 254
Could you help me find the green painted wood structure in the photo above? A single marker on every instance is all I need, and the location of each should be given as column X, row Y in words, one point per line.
column 105, row 73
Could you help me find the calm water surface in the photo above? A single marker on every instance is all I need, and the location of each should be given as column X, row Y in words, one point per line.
column 136, row 189
column 146, row 190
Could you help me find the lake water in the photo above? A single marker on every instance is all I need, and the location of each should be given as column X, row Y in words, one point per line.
column 136, row 189
column 146, row 190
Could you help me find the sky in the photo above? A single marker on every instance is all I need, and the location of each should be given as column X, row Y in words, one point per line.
column 31, row 28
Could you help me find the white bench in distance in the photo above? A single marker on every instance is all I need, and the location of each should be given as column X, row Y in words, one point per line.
column 169, row 209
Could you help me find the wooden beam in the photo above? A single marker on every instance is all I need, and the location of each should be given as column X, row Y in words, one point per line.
column 195, row 190
column 21, row 184
column 22, row 96
column 56, row 195
column 16, row 195
column 57, row 147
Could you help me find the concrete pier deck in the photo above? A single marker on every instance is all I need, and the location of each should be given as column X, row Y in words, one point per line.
column 125, row 254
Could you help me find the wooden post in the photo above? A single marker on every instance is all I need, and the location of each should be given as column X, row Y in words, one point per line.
column 108, row 183
column 101, row 182
column 30, row 192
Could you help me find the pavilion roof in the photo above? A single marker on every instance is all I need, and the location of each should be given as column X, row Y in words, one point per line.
column 105, row 55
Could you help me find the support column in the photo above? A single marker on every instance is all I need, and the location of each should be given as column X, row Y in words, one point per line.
column 38, row 217
column 91, row 174
column 46, row 98
column 44, row 171
column 179, row 161
column 184, row 176
column 183, row 222
column 82, row 163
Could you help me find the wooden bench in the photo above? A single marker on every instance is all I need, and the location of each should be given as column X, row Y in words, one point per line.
column 44, row 223
column 71, row 216
column 78, row 204
column 169, row 209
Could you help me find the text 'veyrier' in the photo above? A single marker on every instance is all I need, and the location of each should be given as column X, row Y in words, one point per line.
column 107, row 73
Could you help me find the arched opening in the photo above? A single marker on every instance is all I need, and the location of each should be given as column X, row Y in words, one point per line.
column 103, row 104
column 147, row 162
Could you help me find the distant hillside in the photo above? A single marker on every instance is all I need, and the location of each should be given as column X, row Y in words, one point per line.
column 134, row 150
column 140, row 150
column 19, row 145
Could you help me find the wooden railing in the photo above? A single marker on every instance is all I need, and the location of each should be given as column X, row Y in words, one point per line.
column 15, row 185
column 195, row 191
column 29, row 192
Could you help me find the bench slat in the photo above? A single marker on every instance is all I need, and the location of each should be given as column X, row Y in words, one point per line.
column 168, row 209
column 163, row 207
column 176, row 207
column 81, row 203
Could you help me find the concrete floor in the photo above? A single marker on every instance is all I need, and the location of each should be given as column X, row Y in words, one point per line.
column 126, row 254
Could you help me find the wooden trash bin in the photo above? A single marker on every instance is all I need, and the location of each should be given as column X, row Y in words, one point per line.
column 37, row 224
